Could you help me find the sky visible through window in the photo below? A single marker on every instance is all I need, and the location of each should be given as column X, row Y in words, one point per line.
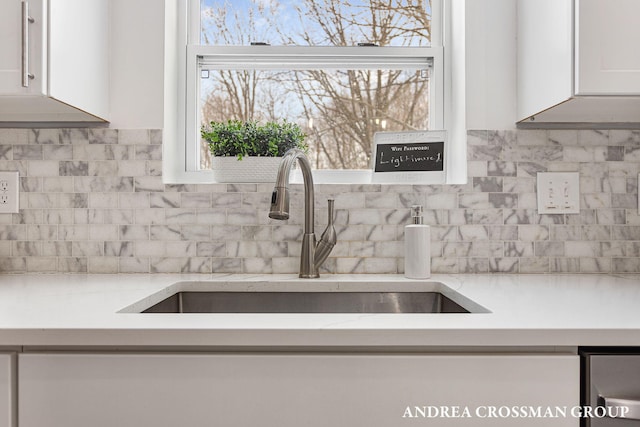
column 339, row 109
column 316, row 22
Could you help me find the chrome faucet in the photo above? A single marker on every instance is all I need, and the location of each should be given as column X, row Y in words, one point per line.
column 313, row 255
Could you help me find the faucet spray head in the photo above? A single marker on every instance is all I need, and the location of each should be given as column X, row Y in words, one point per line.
column 279, row 203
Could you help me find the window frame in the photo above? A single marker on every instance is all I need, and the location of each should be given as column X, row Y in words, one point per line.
column 181, row 156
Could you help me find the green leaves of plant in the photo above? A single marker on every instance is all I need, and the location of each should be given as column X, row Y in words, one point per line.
column 238, row 138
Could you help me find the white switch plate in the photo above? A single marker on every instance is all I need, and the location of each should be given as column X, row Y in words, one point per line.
column 9, row 192
column 558, row 193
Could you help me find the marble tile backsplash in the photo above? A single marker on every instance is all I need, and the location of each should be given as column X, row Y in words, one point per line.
column 93, row 201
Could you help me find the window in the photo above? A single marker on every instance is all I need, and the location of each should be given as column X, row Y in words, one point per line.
column 341, row 69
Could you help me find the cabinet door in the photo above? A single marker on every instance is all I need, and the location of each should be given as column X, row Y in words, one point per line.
column 607, row 50
column 7, row 398
column 12, row 47
column 280, row 390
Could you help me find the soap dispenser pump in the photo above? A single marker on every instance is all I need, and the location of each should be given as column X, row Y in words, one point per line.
column 417, row 246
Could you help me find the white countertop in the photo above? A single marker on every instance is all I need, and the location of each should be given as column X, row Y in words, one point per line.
column 525, row 310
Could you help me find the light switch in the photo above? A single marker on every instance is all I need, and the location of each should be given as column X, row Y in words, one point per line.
column 558, row 193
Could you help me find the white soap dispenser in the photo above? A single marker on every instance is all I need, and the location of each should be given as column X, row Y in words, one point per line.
column 417, row 247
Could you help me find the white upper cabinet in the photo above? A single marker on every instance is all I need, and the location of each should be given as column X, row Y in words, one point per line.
column 607, row 47
column 15, row 15
column 54, row 61
column 578, row 61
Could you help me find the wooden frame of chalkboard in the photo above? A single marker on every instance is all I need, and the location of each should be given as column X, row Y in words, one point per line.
column 409, row 157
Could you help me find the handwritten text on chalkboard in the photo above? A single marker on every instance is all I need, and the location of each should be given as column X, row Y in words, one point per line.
column 418, row 157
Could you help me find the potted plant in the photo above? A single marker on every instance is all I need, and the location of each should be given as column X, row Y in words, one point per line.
column 250, row 151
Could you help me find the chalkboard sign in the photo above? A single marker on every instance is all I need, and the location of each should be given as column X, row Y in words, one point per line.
column 409, row 157
column 418, row 157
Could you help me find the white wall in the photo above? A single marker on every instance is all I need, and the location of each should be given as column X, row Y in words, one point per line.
column 137, row 64
column 137, row 55
column 491, row 64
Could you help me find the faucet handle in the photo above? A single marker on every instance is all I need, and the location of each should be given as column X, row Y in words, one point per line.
column 327, row 240
column 330, row 206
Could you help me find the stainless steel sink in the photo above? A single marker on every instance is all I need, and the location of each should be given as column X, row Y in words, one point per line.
column 306, row 302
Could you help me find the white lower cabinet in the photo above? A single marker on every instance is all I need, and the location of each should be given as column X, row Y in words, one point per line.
column 292, row 390
column 7, row 389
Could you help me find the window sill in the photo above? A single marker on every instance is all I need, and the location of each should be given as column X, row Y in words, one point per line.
column 319, row 177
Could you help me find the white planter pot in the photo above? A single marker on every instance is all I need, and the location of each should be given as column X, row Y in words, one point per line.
column 249, row 169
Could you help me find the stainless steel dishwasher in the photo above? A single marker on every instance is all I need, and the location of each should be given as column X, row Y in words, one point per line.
column 611, row 387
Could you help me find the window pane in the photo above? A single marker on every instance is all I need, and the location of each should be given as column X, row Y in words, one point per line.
column 338, row 109
column 316, row 22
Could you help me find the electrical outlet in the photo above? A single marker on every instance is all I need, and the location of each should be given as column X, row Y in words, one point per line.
column 558, row 193
column 9, row 192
